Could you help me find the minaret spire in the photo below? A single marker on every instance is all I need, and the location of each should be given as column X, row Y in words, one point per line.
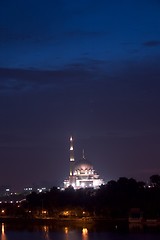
column 83, row 155
column 71, row 156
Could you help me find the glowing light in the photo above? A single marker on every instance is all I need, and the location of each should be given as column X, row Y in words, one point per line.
column 71, row 148
column 66, row 230
column 66, row 213
column 3, row 235
column 2, row 228
column 46, row 229
column 44, row 212
column 85, row 234
column 2, row 211
column 71, row 139
column 83, row 185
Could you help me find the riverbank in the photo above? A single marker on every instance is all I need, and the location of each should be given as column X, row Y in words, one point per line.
column 85, row 221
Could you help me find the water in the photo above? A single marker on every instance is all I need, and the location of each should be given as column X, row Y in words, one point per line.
column 49, row 232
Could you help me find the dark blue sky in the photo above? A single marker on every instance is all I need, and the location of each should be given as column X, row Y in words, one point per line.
column 88, row 68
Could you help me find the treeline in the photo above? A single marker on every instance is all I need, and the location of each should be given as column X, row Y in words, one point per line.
column 114, row 200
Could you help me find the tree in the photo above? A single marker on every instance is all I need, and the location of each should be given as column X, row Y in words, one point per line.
column 155, row 180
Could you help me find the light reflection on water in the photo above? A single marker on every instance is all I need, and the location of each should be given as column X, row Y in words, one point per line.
column 46, row 232
column 66, row 231
column 52, row 232
column 3, row 235
column 71, row 234
column 85, row 234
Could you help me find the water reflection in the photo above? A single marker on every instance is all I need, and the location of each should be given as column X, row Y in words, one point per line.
column 46, row 232
column 3, row 235
column 52, row 231
column 135, row 227
column 71, row 234
column 84, row 234
column 66, row 231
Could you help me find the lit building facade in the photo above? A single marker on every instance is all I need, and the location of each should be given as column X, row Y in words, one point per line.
column 82, row 173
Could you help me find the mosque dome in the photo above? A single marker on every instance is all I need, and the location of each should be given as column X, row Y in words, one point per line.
column 83, row 165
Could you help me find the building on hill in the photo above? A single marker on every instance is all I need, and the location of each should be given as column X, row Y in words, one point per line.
column 82, row 173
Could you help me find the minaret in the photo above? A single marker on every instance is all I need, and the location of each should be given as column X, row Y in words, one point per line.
column 71, row 157
column 83, row 155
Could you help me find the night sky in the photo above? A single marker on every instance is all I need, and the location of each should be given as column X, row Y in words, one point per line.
column 90, row 68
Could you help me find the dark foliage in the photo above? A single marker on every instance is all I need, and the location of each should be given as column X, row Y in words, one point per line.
column 116, row 199
column 113, row 200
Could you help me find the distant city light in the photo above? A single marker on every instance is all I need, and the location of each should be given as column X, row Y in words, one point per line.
column 28, row 189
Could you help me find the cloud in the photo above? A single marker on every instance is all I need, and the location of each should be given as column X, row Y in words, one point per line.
column 79, row 73
column 152, row 43
column 31, row 79
column 135, row 79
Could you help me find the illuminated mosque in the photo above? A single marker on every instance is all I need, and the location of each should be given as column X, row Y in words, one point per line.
column 82, row 173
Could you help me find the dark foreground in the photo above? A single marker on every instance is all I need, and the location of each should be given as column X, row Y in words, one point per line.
column 70, row 230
